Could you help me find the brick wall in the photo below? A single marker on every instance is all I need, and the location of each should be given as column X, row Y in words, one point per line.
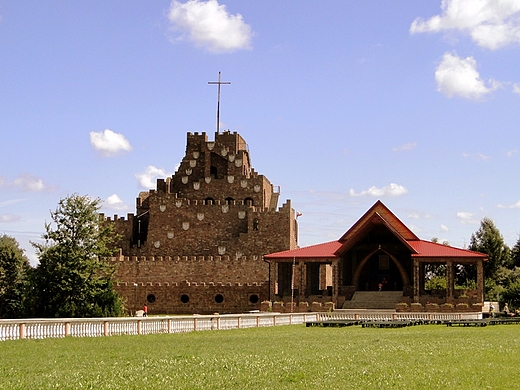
column 210, row 223
column 192, row 297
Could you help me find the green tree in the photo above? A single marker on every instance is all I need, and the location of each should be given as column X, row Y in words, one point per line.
column 72, row 280
column 508, row 281
column 14, row 268
column 515, row 254
column 488, row 240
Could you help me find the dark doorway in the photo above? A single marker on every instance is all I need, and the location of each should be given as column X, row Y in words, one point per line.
column 380, row 273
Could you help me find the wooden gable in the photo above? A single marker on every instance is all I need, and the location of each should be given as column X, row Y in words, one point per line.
column 377, row 214
column 381, row 211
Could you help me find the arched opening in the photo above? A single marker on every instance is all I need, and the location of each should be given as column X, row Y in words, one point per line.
column 249, row 202
column 230, row 200
column 213, row 171
column 380, row 270
column 209, row 201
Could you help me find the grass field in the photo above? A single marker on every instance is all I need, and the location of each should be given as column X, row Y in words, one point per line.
column 285, row 357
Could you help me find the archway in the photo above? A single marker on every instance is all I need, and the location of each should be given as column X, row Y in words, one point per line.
column 377, row 278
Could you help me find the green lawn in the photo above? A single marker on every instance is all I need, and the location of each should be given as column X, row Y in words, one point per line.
column 285, row 357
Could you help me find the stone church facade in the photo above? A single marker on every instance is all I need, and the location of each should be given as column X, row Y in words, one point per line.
column 196, row 243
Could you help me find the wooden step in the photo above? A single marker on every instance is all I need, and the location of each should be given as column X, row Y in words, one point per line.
column 374, row 300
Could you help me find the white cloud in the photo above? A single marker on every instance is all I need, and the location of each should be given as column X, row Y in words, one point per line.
column 466, row 218
column 405, row 147
column 10, row 202
column 456, row 76
column 416, row 215
column 490, row 23
column 114, row 202
column 148, row 178
column 415, row 229
column 513, row 206
column 511, row 153
column 444, row 228
column 9, row 218
column 109, row 143
column 516, row 88
column 390, row 190
column 209, row 25
column 29, row 183
column 477, row 156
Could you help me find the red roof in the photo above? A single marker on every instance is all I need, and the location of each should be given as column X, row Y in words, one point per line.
column 421, row 247
column 433, row 249
column 378, row 214
column 325, row 250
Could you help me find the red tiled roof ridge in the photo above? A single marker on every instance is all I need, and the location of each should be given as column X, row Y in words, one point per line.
column 434, row 249
column 325, row 249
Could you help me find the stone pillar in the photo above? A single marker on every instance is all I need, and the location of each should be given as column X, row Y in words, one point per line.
column 273, row 280
column 422, row 267
column 480, row 280
column 416, row 280
column 450, row 281
column 302, row 283
column 323, row 276
column 335, row 280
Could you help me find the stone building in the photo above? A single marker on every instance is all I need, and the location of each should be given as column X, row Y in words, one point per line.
column 196, row 243
column 377, row 263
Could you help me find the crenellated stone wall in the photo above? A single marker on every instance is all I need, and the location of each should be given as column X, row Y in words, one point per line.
column 193, row 297
column 177, row 269
column 211, row 222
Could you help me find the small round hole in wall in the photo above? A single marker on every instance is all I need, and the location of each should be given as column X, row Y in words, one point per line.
column 150, row 298
column 254, row 298
column 185, row 298
column 219, row 298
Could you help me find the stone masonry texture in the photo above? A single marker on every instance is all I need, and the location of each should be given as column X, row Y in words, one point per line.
column 196, row 242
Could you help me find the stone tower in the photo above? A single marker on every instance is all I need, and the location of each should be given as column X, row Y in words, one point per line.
column 196, row 242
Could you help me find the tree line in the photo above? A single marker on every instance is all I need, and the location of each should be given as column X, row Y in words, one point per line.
column 71, row 279
column 501, row 270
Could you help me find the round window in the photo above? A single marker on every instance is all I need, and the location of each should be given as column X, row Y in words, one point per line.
column 219, row 298
column 185, row 298
column 150, row 298
column 253, row 298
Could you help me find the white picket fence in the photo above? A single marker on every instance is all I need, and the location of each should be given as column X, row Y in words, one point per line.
column 94, row 327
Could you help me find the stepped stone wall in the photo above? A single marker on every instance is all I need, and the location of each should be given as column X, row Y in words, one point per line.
column 210, row 222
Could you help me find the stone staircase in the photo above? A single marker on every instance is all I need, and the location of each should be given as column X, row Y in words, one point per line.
column 374, row 300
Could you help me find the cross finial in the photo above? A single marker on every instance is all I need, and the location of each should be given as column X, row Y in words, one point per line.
column 219, row 83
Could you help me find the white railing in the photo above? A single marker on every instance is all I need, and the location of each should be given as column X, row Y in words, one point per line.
column 94, row 327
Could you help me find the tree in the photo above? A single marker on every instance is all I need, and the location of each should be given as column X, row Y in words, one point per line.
column 72, row 279
column 508, row 286
column 14, row 268
column 515, row 254
column 488, row 240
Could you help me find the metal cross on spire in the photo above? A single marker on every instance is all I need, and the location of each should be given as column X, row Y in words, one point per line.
column 219, row 83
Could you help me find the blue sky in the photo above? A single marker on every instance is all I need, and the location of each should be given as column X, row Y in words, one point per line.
column 415, row 103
